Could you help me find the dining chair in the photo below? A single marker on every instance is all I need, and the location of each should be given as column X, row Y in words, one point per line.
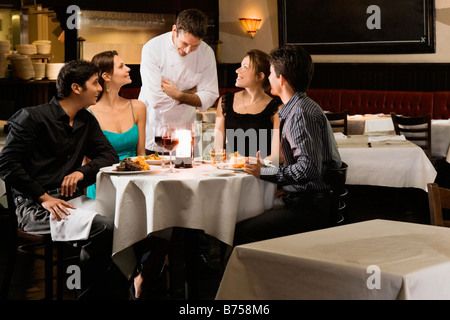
column 35, row 246
column 338, row 121
column 337, row 178
column 416, row 129
column 439, row 202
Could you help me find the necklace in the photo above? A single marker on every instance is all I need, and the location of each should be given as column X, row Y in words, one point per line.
column 243, row 101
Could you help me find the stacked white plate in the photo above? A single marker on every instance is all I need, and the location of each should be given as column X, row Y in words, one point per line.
column 52, row 70
column 43, row 46
column 39, row 70
column 5, row 47
column 22, row 67
column 26, row 49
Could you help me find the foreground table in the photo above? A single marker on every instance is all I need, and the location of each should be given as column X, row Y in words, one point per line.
column 389, row 164
column 149, row 202
column 376, row 259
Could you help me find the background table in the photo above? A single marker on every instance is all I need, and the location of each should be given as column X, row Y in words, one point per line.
column 398, row 165
column 413, row 260
column 382, row 124
column 145, row 203
column 440, row 139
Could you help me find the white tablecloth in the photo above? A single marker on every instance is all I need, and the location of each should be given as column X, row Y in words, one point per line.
column 440, row 138
column 382, row 124
column 369, row 123
column 413, row 262
column 145, row 203
column 401, row 165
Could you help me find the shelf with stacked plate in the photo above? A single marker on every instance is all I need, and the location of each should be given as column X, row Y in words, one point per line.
column 46, row 58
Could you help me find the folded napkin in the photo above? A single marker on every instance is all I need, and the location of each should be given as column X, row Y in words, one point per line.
column 355, row 116
column 387, row 138
column 339, row 135
column 77, row 225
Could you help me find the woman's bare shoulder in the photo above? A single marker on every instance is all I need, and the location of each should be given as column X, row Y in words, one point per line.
column 138, row 104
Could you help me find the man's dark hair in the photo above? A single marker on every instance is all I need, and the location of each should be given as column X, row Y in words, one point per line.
column 295, row 64
column 194, row 22
column 76, row 71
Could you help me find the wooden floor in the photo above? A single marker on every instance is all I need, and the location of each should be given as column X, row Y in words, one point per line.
column 363, row 203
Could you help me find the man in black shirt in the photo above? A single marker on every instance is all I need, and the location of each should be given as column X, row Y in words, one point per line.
column 42, row 163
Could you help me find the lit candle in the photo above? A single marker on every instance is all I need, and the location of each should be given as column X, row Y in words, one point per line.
column 184, row 146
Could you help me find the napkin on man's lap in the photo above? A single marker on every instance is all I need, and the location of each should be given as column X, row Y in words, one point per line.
column 77, row 225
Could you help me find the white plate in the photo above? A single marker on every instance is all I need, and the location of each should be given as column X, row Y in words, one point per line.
column 218, row 173
column 393, row 142
column 112, row 169
column 236, row 169
column 227, row 166
column 157, row 162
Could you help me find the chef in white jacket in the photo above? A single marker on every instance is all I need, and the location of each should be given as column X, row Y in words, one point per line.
column 179, row 75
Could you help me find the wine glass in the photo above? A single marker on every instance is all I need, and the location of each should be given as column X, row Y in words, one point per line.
column 196, row 131
column 159, row 129
column 170, row 143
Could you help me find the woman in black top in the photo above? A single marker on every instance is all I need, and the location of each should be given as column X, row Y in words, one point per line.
column 247, row 121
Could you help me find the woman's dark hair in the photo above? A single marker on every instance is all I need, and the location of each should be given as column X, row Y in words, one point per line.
column 105, row 63
column 192, row 21
column 259, row 61
column 76, row 71
column 295, row 64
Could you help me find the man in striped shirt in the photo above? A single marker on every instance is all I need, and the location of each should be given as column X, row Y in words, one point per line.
column 307, row 149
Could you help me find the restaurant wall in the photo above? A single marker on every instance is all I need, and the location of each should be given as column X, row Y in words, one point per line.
column 235, row 42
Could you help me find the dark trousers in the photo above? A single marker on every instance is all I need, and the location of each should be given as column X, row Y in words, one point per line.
column 100, row 278
column 301, row 213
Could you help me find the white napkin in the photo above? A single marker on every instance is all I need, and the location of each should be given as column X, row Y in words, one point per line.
column 77, row 225
column 355, row 116
column 386, row 138
column 339, row 135
column 379, row 125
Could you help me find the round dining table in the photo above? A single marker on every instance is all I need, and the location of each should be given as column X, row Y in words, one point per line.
column 203, row 197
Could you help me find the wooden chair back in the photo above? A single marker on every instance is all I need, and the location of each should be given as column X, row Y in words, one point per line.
column 439, row 202
column 415, row 129
column 338, row 121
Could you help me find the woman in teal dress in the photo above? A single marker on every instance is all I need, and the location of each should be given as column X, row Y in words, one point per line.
column 122, row 120
column 123, row 123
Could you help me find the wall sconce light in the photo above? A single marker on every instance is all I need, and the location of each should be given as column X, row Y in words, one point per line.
column 251, row 25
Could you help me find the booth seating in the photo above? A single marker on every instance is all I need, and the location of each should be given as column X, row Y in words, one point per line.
column 406, row 103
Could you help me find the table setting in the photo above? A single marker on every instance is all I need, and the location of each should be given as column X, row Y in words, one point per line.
column 381, row 124
column 385, row 160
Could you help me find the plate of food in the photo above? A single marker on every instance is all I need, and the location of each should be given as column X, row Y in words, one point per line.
column 129, row 166
column 236, row 162
column 155, row 159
